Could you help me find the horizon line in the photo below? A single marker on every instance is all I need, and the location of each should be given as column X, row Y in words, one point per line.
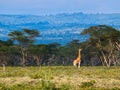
column 48, row 14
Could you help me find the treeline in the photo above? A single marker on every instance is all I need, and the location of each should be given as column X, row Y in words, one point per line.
column 102, row 48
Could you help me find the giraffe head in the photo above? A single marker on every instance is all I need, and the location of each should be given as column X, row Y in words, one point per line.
column 80, row 49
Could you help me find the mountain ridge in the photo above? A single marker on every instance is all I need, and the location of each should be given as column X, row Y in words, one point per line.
column 61, row 28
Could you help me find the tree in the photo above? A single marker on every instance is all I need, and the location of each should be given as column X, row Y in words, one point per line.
column 38, row 52
column 5, row 52
column 24, row 39
column 106, row 39
column 53, row 49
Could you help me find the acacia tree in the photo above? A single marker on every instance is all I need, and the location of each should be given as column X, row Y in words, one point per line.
column 38, row 52
column 23, row 39
column 106, row 39
column 53, row 49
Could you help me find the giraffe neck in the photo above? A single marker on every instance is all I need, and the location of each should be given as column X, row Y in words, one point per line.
column 79, row 54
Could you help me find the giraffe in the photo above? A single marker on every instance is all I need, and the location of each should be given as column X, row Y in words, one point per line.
column 77, row 61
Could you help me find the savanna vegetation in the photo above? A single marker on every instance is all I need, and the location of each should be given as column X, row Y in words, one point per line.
column 60, row 78
column 100, row 62
column 101, row 48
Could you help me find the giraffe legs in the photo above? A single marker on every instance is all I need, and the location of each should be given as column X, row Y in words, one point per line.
column 75, row 64
column 78, row 64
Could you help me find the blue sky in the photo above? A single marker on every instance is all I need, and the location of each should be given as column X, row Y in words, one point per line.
column 38, row 7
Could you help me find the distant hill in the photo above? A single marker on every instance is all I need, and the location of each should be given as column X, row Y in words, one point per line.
column 61, row 28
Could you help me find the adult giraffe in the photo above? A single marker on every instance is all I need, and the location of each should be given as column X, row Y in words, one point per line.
column 77, row 61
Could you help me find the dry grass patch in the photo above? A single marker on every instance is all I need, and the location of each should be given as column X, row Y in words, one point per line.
column 16, row 80
column 78, row 80
column 67, row 77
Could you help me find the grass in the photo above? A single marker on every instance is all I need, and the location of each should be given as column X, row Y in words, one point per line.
column 60, row 78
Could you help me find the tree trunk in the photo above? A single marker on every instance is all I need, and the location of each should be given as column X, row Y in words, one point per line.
column 24, row 56
column 37, row 59
column 105, row 59
column 117, row 45
column 103, row 63
column 23, row 61
column 103, row 55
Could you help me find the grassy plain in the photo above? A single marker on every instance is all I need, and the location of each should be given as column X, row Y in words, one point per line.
column 60, row 78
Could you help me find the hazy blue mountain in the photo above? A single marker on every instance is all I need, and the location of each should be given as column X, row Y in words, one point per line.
column 61, row 28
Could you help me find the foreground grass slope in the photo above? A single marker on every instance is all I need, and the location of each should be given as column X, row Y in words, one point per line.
column 60, row 78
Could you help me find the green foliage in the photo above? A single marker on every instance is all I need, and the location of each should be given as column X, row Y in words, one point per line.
column 102, row 39
column 24, row 37
column 66, row 87
column 103, row 33
column 2, row 86
column 53, row 48
column 47, row 85
column 38, row 50
column 6, row 43
column 32, row 33
column 88, row 84
column 41, row 85
column 36, row 76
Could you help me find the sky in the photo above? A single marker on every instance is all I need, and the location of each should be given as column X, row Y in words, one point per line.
column 39, row 7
